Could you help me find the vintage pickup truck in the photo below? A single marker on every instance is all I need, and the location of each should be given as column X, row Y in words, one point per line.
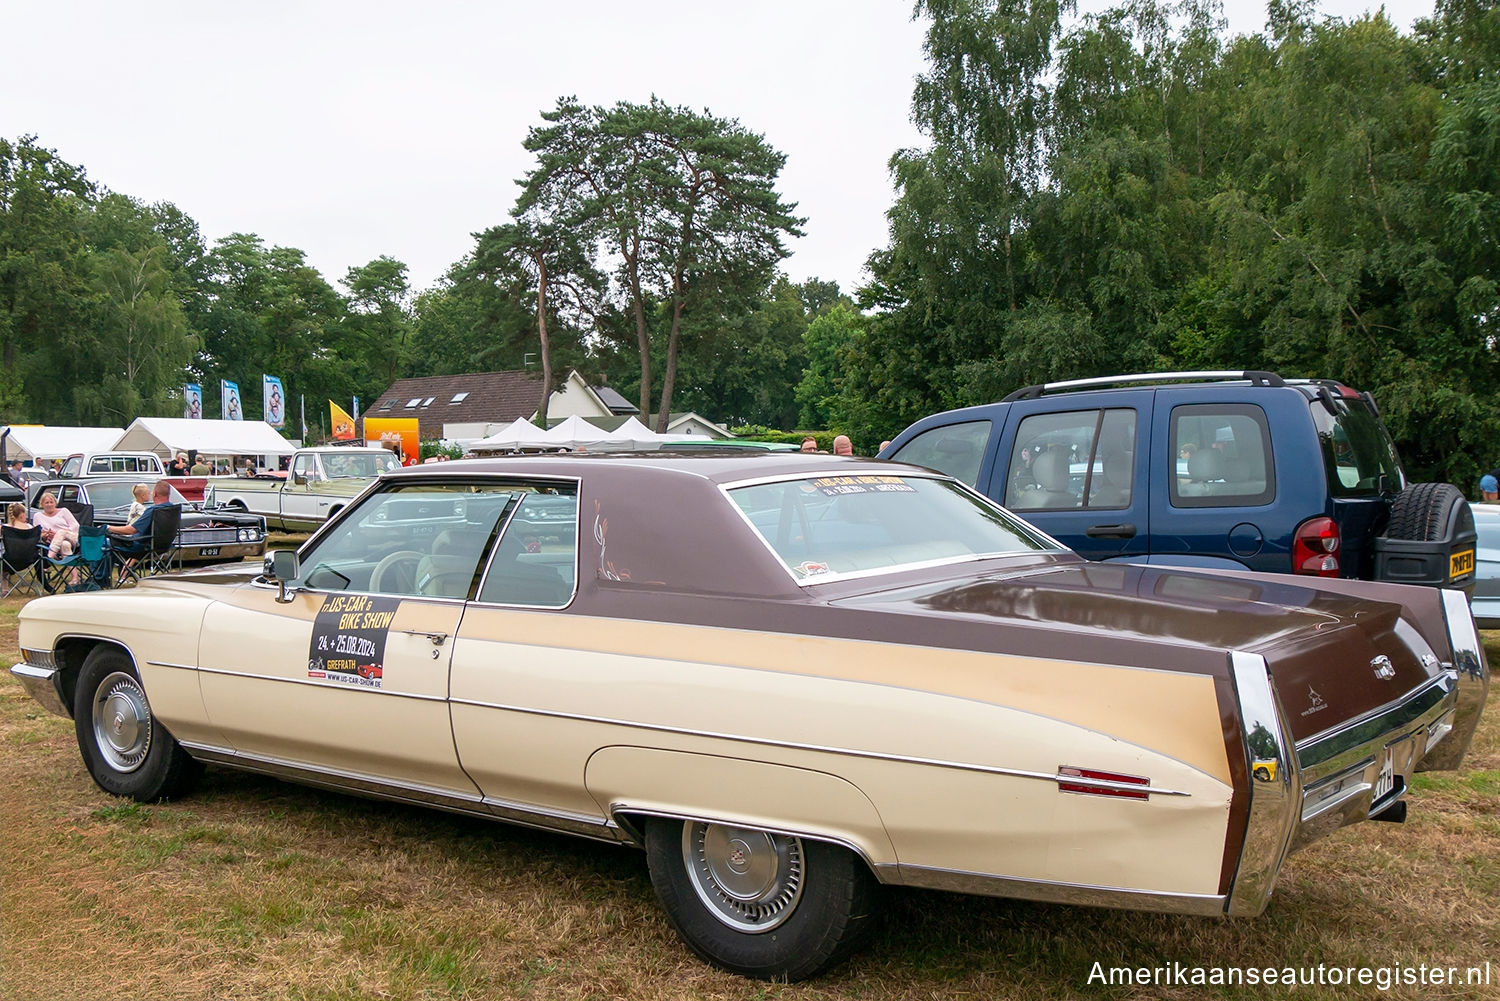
column 146, row 466
column 320, row 483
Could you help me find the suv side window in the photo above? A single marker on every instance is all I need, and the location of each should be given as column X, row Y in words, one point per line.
column 955, row 449
column 1083, row 458
column 1223, row 456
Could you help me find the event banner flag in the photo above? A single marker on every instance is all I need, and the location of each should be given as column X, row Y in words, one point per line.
column 192, row 401
column 229, row 400
column 341, row 422
column 275, row 407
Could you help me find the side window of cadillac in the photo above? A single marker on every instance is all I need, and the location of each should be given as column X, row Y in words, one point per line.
column 417, row 539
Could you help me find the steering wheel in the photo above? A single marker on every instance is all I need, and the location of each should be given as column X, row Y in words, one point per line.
column 396, row 573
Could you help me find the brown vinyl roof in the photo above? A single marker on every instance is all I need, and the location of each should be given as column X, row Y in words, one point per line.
column 492, row 397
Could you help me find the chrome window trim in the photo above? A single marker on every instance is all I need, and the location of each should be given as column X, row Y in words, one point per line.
column 1471, row 675
column 821, row 748
column 447, row 477
column 577, row 550
column 1275, row 802
column 1022, row 528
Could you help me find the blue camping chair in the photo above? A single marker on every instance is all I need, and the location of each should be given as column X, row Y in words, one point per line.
column 90, row 568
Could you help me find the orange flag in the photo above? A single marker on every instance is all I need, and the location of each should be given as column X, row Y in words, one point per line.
column 342, row 423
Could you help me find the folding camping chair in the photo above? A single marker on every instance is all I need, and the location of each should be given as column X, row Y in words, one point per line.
column 152, row 555
column 18, row 560
column 90, row 568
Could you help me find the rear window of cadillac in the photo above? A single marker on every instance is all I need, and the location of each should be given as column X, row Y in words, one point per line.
column 825, row 527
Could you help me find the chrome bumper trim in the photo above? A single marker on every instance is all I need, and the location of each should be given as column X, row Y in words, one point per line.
column 1472, row 673
column 1076, row 894
column 1275, row 786
column 41, row 683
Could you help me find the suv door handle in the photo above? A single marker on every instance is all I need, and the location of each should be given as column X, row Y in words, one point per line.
column 1122, row 531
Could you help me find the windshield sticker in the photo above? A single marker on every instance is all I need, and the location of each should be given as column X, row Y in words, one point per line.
column 348, row 639
column 809, row 568
column 835, row 485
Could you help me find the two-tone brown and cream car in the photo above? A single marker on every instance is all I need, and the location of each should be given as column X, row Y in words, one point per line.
column 790, row 678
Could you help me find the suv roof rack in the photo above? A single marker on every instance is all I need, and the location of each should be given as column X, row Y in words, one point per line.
column 1257, row 378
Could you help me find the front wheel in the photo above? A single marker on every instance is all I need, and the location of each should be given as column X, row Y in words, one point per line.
column 127, row 750
column 759, row 904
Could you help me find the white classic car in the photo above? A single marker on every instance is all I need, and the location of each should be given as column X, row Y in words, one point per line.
column 791, row 679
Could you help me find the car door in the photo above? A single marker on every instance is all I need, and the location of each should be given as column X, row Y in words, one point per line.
column 301, row 497
column 518, row 690
column 350, row 675
column 1216, row 478
column 1079, row 472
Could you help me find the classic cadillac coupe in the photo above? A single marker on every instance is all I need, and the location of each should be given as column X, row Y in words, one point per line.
column 790, row 679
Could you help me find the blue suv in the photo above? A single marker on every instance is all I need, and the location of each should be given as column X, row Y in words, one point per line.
column 1208, row 469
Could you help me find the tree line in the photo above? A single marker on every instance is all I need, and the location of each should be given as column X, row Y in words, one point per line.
column 1128, row 191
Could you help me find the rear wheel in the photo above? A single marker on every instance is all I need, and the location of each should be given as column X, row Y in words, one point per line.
column 127, row 750
column 760, row 904
column 1424, row 512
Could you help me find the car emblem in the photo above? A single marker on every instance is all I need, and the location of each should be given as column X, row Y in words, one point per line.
column 1315, row 703
column 1383, row 667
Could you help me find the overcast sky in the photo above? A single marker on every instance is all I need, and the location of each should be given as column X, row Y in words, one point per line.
column 352, row 130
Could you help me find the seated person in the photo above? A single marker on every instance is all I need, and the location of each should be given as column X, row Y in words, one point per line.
column 59, row 527
column 137, row 534
column 15, row 516
column 142, row 495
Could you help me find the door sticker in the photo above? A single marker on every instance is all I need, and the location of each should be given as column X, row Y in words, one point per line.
column 348, row 639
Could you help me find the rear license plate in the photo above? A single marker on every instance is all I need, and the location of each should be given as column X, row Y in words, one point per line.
column 1385, row 782
column 1461, row 564
column 209, row 551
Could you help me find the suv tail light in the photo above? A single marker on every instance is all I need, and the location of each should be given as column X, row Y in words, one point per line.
column 1315, row 548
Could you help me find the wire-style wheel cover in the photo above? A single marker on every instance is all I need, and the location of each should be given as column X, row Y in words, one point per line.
column 750, row 880
column 122, row 722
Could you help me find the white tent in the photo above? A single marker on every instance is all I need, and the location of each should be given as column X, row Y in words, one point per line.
column 31, row 443
column 164, row 435
column 576, row 431
column 633, row 434
column 519, row 434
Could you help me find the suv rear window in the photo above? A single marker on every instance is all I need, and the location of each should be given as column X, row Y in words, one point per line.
column 1357, row 450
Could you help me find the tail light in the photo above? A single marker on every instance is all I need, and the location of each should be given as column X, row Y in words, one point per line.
column 1315, row 548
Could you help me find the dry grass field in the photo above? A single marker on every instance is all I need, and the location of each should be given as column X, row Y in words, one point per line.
column 252, row 888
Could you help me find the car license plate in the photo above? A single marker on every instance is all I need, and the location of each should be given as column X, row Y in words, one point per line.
column 1460, row 564
column 209, row 551
column 1385, row 782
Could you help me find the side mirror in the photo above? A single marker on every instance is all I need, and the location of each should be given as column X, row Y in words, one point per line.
column 300, row 480
column 282, row 566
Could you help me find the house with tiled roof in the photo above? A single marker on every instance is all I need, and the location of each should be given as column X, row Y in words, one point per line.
column 475, row 399
column 477, row 403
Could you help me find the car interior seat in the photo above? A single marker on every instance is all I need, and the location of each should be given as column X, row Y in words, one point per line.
column 1051, row 470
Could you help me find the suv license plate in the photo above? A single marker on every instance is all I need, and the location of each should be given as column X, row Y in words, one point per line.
column 209, row 551
column 1461, row 564
column 1385, row 782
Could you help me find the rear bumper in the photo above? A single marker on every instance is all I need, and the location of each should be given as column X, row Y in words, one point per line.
column 1301, row 792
